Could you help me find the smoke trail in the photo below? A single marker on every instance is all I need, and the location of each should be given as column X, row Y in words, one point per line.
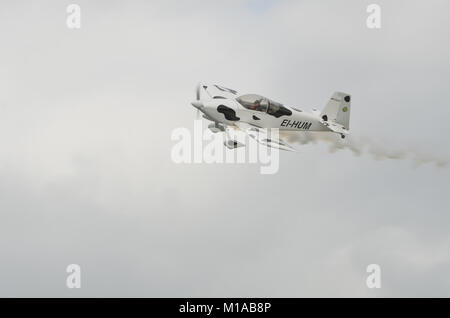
column 359, row 146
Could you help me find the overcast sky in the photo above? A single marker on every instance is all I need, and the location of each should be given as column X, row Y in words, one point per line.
column 86, row 175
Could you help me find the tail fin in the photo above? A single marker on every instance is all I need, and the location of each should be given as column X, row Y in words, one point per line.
column 338, row 109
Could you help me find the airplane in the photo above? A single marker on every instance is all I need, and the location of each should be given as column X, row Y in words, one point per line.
column 256, row 115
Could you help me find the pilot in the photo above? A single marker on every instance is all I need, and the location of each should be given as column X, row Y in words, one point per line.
column 256, row 105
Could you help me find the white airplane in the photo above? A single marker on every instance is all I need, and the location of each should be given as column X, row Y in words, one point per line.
column 255, row 115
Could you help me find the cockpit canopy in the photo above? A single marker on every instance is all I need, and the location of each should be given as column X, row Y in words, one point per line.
column 263, row 104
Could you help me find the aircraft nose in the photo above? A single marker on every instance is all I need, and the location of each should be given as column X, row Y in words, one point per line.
column 197, row 104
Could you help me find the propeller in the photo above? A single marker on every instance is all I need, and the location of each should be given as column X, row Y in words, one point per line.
column 197, row 98
column 197, row 92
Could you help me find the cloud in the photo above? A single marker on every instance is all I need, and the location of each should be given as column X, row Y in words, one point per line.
column 85, row 170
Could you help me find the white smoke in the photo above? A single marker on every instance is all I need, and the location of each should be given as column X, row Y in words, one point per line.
column 363, row 145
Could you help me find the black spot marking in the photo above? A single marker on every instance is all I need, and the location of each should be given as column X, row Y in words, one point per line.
column 278, row 111
column 347, row 98
column 229, row 113
column 255, row 117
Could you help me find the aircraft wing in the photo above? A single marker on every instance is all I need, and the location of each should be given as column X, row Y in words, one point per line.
column 217, row 91
column 338, row 128
column 265, row 136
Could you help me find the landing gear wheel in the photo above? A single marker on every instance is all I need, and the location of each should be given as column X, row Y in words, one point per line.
column 342, row 136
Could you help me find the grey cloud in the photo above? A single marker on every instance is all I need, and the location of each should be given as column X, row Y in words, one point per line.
column 86, row 175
